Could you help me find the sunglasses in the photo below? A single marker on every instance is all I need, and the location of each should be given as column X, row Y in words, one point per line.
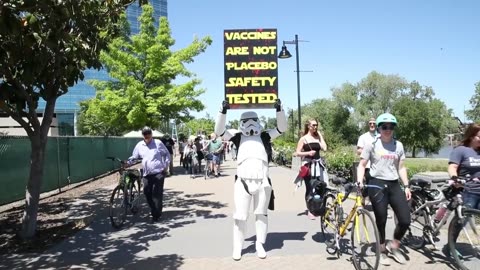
column 314, row 125
column 146, row 133
column 387, row 127
column 372, row 124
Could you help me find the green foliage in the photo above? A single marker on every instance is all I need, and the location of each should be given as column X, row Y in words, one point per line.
column 234, row 124
column 474, row 113
column 423, row 120
column 335, row 122
column 205, row 125
column 144, row 69
column 340, row 161
column 44, row 48
column 371, row 96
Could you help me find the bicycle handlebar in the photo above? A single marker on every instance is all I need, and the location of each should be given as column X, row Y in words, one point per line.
column 350, row 186
column 122, row 162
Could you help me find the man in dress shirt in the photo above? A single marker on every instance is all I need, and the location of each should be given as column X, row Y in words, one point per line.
column 155, row 161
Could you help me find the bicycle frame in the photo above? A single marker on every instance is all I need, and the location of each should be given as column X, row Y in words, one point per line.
column 436, row 227
column 343, row 227
column 351, row 215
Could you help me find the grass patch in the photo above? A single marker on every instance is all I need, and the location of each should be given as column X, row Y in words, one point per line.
column 417, row 165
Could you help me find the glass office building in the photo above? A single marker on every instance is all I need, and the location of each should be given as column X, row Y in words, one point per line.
column 67, row 105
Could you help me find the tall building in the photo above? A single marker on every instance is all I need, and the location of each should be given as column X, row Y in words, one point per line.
column 67, row 105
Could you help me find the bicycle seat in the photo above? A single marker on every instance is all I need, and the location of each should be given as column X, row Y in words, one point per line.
column 420, row 183
column 338, row 180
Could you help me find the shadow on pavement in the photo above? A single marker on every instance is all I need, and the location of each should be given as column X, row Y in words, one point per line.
column 275, row 240
column 99, row 246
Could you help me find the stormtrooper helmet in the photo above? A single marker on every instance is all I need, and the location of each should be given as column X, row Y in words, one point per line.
column 250, row 124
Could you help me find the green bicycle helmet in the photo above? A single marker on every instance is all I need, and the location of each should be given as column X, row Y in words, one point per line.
column 386, row 118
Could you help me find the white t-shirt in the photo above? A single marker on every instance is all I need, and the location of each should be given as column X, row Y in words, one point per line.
column 364, row 139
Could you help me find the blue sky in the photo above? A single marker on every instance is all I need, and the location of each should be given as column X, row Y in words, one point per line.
column 434, row 42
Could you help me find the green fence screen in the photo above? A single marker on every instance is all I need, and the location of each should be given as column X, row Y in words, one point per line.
column 68, row 160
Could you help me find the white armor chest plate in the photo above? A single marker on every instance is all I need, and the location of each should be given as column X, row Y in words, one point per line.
column 252, row 158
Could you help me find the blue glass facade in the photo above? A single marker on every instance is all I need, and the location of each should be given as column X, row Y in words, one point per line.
column 68, row 104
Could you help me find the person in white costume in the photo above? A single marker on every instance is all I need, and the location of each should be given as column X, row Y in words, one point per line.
column 252, row 179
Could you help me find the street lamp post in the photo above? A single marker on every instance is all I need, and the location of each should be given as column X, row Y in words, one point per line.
column 286, row 54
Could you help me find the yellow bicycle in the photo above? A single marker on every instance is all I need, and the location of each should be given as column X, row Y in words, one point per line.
column 365, row 238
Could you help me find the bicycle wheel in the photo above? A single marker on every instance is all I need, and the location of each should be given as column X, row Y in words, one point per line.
column 365, row 241
column 118, row 207
column 464, row 239
column 329, row 221
column 415, row 236
column 133, row 198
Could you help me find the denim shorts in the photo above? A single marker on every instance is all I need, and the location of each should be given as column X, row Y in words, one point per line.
column 471, row 200
column 216, row 158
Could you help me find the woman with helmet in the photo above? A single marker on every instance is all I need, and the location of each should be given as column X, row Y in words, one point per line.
column 386, row 156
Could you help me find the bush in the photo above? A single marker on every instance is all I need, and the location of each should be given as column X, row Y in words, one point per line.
column 283, row 151
column 340, row 161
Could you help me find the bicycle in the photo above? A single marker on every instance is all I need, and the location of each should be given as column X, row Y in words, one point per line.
column 429, row 219
column 365, row 238
column 126, row 195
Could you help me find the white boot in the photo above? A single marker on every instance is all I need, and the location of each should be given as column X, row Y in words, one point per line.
column 238, row 237
column 261, row 226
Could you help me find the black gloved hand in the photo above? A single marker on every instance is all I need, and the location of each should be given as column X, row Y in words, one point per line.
column 278, row 105
column 225, row 106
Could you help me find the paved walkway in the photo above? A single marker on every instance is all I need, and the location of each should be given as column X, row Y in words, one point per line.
column 196, row 233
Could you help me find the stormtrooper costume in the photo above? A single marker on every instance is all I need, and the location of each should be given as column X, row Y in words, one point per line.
column 252, row 173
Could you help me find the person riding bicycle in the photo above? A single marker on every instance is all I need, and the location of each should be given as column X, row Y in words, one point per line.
column 308, row 148
column 155, row 161
column 465, row 160
column 386, row 156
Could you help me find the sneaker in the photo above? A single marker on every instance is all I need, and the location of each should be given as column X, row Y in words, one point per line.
column 396, row 253
column 384, row 260
column 311, row 216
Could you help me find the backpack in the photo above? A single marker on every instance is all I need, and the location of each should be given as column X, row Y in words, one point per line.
column 317, row 206
column 266, row 140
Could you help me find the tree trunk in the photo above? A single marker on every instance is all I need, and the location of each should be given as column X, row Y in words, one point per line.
column 38, row 142
column 32, row 194
column 413, row 152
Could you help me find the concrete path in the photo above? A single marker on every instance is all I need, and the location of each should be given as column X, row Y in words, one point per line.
column 196, row 233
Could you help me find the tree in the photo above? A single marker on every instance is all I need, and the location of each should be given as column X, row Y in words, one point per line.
column 205, row 125
column 474, row 113
column 143, row 69
column 44, row 48
column 234, row 124
column 423, row 120
column 335, row 121
column 371, row 96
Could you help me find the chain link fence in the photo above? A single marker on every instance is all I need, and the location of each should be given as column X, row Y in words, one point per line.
column 68, row 160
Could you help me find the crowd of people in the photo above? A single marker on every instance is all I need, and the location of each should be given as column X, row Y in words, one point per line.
column 382, row 164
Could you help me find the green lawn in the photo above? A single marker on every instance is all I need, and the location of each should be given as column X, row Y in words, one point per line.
column 417, row 165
